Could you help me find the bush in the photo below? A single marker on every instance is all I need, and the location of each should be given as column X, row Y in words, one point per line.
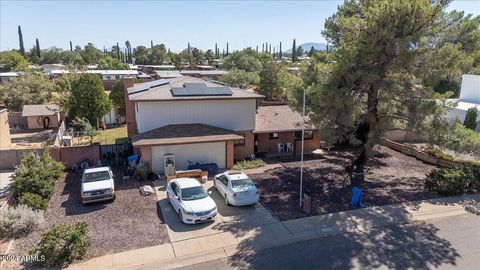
column 249, row 164
column 454, row 181
column 63, row 244
column 432, row 150
column 33, row 200
column 36, row 174
column 19, row 220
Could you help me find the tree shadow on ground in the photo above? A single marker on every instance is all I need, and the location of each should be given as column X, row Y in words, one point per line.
column 404, row 246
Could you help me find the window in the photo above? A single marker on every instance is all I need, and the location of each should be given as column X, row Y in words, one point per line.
column 273, row 135
column 224, row 180
column 308, row 135
column 240, row 142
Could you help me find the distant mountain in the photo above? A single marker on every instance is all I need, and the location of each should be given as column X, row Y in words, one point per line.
column 306, row 47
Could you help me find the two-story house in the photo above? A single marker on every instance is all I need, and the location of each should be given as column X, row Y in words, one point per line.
column 194, row 119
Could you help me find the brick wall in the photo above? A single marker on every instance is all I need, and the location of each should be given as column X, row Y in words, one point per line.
column 267, row 145
column 73, row 155
column 243, row 151
column 129, row 109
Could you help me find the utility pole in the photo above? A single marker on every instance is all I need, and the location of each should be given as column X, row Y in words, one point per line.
column 301, row 159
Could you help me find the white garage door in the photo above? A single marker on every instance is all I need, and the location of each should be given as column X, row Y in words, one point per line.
column 197, row 152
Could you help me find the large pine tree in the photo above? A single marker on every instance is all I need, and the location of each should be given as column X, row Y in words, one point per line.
column 37, row 48
column 294, row 51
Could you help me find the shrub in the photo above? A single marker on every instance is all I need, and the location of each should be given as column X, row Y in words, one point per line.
column 471, row 118
column 432, row 150
column 19, row 220
column 63, row 244
column 249, row 164
column 33, row 200
column 453, row 181
column 36, row 174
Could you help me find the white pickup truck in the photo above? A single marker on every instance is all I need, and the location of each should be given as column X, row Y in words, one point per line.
column 97, row 185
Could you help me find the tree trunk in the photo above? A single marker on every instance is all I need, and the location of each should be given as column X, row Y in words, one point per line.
column 373, row 132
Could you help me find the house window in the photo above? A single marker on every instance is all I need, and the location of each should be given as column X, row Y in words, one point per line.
column 273, row 135
column 240, row 142
column 308, row 135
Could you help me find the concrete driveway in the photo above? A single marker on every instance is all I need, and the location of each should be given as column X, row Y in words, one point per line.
column 231, row 224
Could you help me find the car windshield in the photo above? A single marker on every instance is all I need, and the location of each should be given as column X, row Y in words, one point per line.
column 241, row 183
column 96, row 176
column 193, row 193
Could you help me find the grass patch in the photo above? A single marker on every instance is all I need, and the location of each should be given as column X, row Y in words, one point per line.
column 112, row 136
column 249, row 164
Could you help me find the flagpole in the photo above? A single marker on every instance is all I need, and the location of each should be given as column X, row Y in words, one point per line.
column 301, row 158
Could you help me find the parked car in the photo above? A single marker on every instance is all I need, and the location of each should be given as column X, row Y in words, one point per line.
column 190, row 200
column 237, row 188
column 97, row 185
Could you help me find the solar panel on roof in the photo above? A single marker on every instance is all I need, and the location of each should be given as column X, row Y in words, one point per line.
column 146, row 86
column 200, row 89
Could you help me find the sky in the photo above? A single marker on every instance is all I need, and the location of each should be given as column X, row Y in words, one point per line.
column 174, row 23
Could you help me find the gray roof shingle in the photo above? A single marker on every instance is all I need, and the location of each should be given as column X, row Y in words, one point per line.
column 163, row 92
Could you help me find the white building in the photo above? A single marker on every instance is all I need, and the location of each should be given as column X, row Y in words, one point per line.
column 469, row 98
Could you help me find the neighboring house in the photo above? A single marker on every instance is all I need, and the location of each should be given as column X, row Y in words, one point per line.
column 6, row 76
column 109, row 77
column 5, row 140
column 168, row 74
column 43, row 116
column 47, row 68
column 280, row 124
column 469, row 98
column 197, row 120
column 211, row 74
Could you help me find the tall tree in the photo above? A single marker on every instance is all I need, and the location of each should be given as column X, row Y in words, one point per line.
column 117, row 96
column 227, row 49
column 37, row 48
column 382, row 52
column 20, row 41
column 294, row 51
column 118, row 52
column 128, row 52
column 188, row 47
column 71, row 46
column 311, row 52
column 216, row 50
column 280, row 54
column 12, row 61
column 88, row 99
column 31, row 88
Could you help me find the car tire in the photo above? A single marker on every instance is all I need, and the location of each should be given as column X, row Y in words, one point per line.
column 180, row 216
column 226, row 200
column 113, row 199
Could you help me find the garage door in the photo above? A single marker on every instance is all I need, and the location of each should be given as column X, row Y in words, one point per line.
column 196, row 152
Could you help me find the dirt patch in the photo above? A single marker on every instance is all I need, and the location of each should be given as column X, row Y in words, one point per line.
column 132, row 221
column 390, row 177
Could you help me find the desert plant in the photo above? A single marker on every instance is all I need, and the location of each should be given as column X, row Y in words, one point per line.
column 249, row 164
column 33, row 200
column 19, row 220
column 63, row 244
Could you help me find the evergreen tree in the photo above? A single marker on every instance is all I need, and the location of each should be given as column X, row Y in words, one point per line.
column 256, row 49
column 294, row 51
column 20, row 41
column 216, row 50
column 71, row 47
column 280, row 51
column 227, row 49
column 188, row 47
column 118, row 52
column 311, row 52
column 263, row 48
column 471, row 118
column 270, row 48
column 37, row 48
column 151, row 44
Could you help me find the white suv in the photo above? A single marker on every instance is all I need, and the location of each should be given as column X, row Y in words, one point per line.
column 97, row 185
column 237, row 188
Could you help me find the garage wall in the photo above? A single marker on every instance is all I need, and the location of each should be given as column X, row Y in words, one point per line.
column 198, row 152
column 236, row 115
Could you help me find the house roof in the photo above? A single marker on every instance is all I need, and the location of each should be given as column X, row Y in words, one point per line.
column 40, row 110
column 279, row 118
column 183, row 134
column 203, row 72
column 162, row 91
column 9, row 74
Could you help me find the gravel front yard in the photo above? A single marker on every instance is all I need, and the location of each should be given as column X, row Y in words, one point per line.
column 390, row 177
column 131, row 221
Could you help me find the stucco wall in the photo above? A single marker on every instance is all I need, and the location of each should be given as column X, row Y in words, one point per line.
column 33, row 121
column 234, row 115
column 5, row 140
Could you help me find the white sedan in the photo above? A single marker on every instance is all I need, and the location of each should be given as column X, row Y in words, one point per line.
column 237, row 188
column 190, row 201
